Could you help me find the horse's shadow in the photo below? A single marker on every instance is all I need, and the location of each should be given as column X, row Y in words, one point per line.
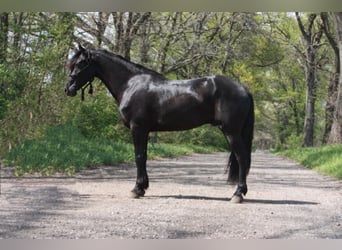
column 252, row 201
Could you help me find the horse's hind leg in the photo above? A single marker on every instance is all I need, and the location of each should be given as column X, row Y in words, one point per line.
column 239, row 149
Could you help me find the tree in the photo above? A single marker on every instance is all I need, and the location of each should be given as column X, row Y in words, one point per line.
column 116, row 30
column 312, row 37
column 12, row 71
column 264, row 51
column 336, row 128
column 333, row 84
column 31, row 76
column 4, row 25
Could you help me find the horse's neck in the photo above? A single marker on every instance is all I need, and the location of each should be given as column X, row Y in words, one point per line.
column 114, row 75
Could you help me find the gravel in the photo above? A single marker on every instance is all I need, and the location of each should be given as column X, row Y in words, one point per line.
column 188, row 198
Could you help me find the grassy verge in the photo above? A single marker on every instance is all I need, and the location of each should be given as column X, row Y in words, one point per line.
column 326, row 160
column 64, row 149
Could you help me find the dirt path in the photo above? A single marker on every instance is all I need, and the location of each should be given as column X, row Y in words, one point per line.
column 187, row 198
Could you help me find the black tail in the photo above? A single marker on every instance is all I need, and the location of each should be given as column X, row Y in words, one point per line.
column 247, row 136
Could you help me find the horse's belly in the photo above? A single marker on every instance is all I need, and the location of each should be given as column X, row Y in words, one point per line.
column 184, row 118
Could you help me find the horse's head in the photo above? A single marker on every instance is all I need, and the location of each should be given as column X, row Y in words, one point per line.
column 82, row 71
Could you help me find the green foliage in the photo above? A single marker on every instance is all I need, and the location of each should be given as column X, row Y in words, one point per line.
column 12, row 82
column 30, row 78
column 65, row 149
column 98, row 117
column 204, row 136
column 261, row 50
column 326, row 159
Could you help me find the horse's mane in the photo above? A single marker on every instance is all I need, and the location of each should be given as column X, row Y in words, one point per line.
column 137, row 68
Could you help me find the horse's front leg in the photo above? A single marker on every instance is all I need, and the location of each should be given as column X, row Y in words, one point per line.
column 140, row 138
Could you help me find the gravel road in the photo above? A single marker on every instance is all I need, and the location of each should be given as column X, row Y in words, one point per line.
column 188, row 198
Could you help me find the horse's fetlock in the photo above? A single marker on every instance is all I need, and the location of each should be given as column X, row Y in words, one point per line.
column 241, row 190
column 142, row 182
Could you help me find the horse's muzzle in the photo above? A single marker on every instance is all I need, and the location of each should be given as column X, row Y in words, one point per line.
column 71, row 90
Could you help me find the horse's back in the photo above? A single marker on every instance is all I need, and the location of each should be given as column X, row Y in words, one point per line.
column 185, row 104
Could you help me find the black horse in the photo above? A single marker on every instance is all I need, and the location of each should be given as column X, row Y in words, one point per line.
column 148, row 101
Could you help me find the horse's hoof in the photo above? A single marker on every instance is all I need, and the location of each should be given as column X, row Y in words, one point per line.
column 137, row 194
column 134, row 195
column 236, row 199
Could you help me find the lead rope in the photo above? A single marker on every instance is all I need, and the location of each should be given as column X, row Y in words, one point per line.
column 90, row 91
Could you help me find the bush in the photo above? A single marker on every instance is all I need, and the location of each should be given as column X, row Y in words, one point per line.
column 65, row 149
column 204, row 136
column 99, row 117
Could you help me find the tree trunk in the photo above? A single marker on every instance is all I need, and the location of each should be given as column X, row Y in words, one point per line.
column 336, row 128
column 312, row 41
column 101, row 25
column 333, row 85
column 311, row 85
column 331, row 105
column 168, row 40
column 293, row 105
column 3, row 36
column 127, row 25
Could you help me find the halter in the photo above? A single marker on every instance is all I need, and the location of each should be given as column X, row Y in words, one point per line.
column 89, row 83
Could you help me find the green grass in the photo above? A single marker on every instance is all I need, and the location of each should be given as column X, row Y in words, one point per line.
column 64, row 149
column 326, row 160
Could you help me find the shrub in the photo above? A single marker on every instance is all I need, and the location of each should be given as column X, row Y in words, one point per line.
column 65, row 149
